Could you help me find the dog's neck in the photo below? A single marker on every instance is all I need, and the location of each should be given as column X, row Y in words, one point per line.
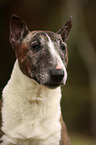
column 26, row 85
column 34, row 104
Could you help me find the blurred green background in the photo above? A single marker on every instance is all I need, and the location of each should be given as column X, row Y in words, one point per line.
column 79, row 94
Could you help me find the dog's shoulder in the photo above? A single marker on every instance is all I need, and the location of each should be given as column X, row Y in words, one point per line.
column 64, row 136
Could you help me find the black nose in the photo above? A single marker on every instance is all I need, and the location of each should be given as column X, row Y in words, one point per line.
column 57, row 74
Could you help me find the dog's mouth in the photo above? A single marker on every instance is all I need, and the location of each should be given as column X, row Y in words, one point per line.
column 53, row 85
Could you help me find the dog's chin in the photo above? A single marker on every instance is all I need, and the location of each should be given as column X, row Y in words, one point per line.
column 53, row 85
column 50, row 84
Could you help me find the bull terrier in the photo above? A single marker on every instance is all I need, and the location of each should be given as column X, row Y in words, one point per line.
column 31, row 112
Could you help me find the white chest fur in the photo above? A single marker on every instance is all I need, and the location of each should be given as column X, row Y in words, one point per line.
column 30, row 112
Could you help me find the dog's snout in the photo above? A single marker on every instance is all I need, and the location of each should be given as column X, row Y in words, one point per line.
column 57, row 74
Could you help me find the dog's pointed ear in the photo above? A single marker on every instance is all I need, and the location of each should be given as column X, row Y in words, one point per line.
column 64, row 32
column 18, row 30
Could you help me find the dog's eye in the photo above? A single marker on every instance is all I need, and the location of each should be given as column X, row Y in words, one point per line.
column 63, row 47
column 35, row 45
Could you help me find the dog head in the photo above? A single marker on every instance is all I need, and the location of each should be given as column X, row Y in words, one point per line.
column 42, row 55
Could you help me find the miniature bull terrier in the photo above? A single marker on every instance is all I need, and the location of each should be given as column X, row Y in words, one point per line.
column 31, row 113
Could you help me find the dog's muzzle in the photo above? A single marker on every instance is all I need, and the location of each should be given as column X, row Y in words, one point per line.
column 56, row 77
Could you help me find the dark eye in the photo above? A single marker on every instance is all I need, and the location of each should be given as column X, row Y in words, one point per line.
column 35, row 45
column 62, row 47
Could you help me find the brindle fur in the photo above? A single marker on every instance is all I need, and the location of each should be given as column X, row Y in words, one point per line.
column 64, row 136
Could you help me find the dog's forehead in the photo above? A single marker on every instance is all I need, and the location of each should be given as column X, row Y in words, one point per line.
column 53, row 36
column 43, row 36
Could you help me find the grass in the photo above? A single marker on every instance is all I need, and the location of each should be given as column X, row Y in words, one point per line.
column 81, row 140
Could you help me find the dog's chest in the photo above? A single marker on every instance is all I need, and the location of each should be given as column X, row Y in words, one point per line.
column 38, row 133
column 38, row 123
